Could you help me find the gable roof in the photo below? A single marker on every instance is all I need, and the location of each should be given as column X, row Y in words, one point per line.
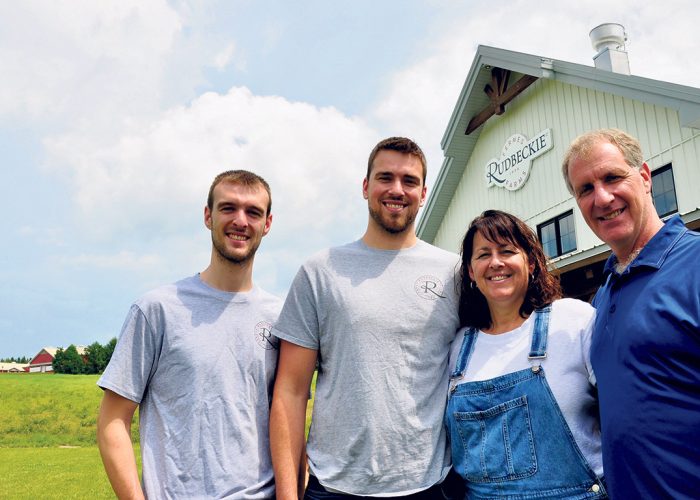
column 51, row 351
column 457, row 146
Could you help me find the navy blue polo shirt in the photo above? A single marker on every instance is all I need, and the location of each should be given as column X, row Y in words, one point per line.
column 645, row 354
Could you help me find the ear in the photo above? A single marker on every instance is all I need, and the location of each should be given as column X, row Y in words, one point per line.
column 645, row 172
column 207, row 217
column 471, row 272
column 422, row 196
column 365, row 192
column 268, row 224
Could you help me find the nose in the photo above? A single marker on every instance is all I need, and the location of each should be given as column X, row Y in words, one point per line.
column 495, row 261
column 396, row 187
column 602, row 196
column 240, row 219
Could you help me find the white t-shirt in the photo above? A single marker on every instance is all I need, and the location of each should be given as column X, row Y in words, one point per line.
column 567, row 367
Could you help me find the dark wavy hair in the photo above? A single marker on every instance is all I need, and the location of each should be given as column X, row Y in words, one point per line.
column 501, row 227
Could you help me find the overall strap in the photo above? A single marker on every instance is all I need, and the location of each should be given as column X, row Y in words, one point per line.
column 465, row 352
column 538, row 350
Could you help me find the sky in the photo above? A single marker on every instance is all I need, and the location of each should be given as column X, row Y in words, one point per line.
column 116, row 115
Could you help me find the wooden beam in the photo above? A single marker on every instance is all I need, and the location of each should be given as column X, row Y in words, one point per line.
column 500, row 95
column 499, row 80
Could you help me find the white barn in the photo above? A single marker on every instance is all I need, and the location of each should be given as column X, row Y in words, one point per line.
column 514, row 119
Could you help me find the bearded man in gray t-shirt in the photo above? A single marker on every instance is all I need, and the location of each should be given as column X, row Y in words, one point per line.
column 378, row 315
column 198, row 359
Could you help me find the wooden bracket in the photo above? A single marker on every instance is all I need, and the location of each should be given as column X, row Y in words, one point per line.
column 500, row 95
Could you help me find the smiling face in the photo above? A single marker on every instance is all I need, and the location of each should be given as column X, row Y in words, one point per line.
column 614, row 198
column 238, row 220
column 395, row 191
column 501, row 271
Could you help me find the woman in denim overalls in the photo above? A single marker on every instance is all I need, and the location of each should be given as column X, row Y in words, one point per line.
column 522, row 411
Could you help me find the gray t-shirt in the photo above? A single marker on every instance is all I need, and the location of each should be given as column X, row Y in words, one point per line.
column 200, row 362
column 382, row 322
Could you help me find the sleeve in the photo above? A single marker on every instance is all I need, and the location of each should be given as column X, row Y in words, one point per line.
column 298, row 322
column 586, row 335
column 134, row 359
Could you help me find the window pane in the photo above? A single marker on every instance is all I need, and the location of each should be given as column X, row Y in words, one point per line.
column 670, row 202
column 568, row 233
column 549, row 239
column 664, row 192
column 658, row 183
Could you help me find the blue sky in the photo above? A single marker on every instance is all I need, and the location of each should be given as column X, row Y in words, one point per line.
column 115, row 116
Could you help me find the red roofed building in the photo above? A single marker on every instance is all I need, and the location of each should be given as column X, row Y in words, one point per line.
column 43, row 361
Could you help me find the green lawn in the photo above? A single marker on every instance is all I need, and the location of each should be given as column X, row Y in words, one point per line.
column 44, row 410
column 47, row 437
column 53, row 473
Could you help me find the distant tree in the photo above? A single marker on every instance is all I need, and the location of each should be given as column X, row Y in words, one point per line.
column 17, row 359
column 59, row 361
column 109, row 349
column 68, row 361
column 96, row 359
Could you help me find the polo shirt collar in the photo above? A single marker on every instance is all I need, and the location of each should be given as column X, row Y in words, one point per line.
column 654, row 252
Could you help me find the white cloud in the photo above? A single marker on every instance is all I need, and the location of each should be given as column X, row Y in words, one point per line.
column 223, row 58
column 73, row 59
column 154, row 177
column 53, row 236
column 123, row 261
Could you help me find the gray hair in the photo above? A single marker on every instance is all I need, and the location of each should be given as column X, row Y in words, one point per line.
column 581, row 147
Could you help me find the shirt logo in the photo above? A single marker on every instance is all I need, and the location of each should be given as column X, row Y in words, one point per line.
column 263, row 336
column 429, row 288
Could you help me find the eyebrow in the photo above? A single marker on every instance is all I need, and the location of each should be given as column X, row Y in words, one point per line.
column 498, row 245
column 224, row 204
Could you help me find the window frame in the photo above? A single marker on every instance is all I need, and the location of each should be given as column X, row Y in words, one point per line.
column 557, row 233
column 658, row 172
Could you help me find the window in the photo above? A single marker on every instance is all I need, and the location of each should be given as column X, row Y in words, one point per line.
column 558, row 235
column 663, row 190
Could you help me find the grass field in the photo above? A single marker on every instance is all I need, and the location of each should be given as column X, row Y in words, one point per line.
column 47, row 437
column 41, row 410
column 53, row 473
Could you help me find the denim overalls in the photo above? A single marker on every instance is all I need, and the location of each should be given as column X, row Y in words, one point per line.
column 508, row 436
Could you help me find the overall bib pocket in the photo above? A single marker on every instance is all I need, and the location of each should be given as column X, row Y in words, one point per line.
column 498, row 442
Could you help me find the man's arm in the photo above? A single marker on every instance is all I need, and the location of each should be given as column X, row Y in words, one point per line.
column 114, row 440
column 288, row 416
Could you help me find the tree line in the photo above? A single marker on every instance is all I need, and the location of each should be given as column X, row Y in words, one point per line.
column 94, row 360
column 18, row 359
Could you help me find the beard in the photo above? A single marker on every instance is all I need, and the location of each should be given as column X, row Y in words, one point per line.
column 393, row 225
column 234, row 257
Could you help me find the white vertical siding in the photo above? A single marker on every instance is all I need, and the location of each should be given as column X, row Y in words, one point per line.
column 569, row 111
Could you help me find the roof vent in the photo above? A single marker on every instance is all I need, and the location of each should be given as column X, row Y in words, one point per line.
column 608, row 40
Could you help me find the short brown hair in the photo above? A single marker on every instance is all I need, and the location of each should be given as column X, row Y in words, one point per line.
column 496, row 226
column 244, row 177
column 400, row 145
column 580, row 147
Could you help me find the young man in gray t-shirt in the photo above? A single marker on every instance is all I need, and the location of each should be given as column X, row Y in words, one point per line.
column 198, row 360
column 379, row 315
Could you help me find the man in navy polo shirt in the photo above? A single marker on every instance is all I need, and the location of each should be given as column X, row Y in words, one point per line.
column 646, row 342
